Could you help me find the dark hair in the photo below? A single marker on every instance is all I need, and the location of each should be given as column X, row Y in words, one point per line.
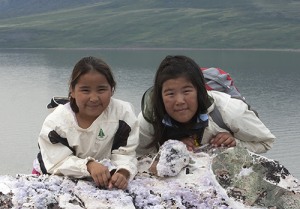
column 84, row 66
column 173, row 67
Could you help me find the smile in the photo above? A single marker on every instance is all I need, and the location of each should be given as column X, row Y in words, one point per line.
column 93, row 106
column 181, row 110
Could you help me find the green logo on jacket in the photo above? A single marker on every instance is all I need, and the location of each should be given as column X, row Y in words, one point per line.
column 101, row 136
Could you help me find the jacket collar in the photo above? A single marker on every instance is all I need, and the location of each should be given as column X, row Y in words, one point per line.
column 202, row 121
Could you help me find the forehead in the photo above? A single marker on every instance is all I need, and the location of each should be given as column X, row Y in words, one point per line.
column 177, row 82
column 92, row 78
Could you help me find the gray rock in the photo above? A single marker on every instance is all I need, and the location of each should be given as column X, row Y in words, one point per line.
column 213, row 178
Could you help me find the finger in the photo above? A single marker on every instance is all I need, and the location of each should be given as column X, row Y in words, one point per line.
column 189, row 142
column 216, row 142
column 118, row 181
column 228, row 141
column 110, row 184
column 217, row 138
column 104, row 179
column 232, row 144
column 96, row 180
column 107, row 177
column 99, row 181
column 223, row 139
column 124, row 185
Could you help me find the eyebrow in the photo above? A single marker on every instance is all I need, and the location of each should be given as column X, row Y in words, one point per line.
column 185, row 87
column 167, row 90
column 188, row 86
column 86, row 87
column 103, row 86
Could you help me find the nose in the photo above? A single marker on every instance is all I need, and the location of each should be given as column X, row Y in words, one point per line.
column 180, row 99
column 94, row 97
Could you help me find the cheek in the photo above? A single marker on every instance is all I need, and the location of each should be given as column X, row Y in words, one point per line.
column 168, row 104
column 194, row 103
column 106, row 98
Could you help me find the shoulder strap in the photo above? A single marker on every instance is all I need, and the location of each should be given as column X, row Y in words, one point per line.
column 146, row 106
column 217, row 118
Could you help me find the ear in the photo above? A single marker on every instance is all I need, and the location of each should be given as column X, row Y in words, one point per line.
column 72, row 93
column 112, row 93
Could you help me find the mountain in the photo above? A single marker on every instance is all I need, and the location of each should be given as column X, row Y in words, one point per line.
column 254, row 24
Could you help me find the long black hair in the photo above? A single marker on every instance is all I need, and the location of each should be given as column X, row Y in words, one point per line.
column 173, row 67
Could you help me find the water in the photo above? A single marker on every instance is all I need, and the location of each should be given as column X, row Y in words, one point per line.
column 269, row 80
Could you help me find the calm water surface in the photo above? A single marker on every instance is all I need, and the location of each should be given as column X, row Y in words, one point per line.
column 269, row 80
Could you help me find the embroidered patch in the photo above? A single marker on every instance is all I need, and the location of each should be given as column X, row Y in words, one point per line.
column 101, row 136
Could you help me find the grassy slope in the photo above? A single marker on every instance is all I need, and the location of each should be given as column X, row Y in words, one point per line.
column 270, row 24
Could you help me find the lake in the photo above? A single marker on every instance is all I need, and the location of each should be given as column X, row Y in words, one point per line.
column 269, row 80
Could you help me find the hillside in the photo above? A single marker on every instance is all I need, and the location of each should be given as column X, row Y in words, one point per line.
column 265, row 24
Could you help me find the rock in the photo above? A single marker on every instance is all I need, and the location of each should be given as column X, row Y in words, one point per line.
column 214, row 178
column 171, row 158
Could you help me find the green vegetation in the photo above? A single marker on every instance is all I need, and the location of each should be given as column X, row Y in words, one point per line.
column 264, row 24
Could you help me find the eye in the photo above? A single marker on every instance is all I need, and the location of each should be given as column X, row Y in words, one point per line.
column 102, row 89
column 169, row 94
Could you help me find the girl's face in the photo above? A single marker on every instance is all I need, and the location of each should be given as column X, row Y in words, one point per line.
column 92, row 94
column 180, row 100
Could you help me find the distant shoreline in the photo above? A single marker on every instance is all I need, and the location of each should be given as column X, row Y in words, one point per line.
column 148, row 48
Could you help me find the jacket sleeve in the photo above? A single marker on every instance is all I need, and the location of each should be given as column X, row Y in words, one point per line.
column 247, row 128
column 125, row 141
column 57, row 158
column 145, row 135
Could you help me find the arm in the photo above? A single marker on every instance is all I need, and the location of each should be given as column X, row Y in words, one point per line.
column 125, row 142
column 58, row 158
column 247, row 128
column 146, row 132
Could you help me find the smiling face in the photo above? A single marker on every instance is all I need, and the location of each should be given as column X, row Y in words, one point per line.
column 180, row 100
column 92, row 94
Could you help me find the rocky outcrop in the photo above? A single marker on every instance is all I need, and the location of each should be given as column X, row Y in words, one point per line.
column 212, row 178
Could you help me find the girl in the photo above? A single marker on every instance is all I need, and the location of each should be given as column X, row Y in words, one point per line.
column 91, row 127
column 181, row 106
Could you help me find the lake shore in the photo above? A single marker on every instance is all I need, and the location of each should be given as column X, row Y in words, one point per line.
column 148, row 48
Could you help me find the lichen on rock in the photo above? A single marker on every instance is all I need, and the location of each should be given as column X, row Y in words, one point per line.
column 213, row 178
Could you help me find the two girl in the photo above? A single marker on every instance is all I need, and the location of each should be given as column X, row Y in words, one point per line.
column 180, row 109
column 77, row 137
column 93, row 126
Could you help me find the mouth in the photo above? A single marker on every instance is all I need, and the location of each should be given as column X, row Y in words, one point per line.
column 93, row 106
column 181, row 110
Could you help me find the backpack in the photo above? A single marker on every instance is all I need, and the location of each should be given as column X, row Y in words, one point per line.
column 215, row 79
column 218, row 80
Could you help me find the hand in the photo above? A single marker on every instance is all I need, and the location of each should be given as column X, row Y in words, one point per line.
column 223, row 139
column 190, row 142
column 99, row 173
column 119, row 179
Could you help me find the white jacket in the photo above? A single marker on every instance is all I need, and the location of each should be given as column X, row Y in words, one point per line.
column 93, row 143
column 248, row 130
